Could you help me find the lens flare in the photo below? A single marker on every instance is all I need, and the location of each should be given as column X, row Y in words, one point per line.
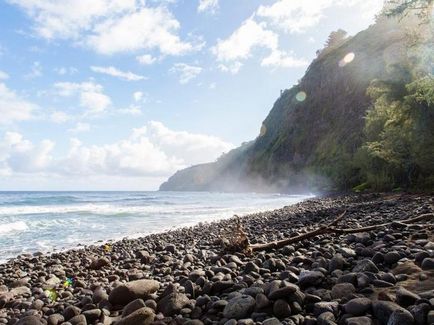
column 301, row 96
column 51, row 294
column 347, row 59
column 69, row 282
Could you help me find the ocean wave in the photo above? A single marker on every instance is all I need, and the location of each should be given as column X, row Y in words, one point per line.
column 13, row 227
column 99, row 209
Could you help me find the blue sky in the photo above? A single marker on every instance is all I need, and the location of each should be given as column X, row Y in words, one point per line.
column 119, row 94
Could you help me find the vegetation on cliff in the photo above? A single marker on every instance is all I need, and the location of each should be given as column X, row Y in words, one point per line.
column 361, row 117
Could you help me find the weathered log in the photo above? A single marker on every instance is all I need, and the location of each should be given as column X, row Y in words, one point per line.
column 330, row 228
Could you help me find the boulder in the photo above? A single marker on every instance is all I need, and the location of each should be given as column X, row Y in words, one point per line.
column 130, row 291
column 141, row 316
column 172, row 303
column 239, row 307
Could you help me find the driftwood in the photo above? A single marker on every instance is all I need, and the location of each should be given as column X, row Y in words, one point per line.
column 330, row 229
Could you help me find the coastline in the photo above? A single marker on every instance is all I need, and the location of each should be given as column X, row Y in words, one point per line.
column 183, row 275
column 32, row 222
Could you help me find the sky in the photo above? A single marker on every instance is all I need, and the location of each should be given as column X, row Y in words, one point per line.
column 120, row 94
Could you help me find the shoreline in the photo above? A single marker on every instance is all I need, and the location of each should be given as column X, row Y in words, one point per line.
column 183, row 276
column 113, row 217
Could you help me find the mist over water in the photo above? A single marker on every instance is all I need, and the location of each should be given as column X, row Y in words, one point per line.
column 49, row 221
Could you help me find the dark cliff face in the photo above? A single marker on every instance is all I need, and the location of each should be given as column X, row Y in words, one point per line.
column 313, row 128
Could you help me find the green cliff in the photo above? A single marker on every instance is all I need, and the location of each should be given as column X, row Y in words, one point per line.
column 328, row 131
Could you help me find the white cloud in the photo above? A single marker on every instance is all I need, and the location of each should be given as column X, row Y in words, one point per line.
column 13, row 107
column 210, row 6
column 80, row 127
column 112, row 71
column 185, row 72
column 95, row 102
column 65, row 70
column 18, row 155
column 279, row 59
column 133, row 110
column 190, row 148
column 67, row 19
column 240, row 44
column 3, row 75
column 145, row 29
column 153, row 150
column 36, row 71
column 59, row 117
column 90, row 95
column 233, row 67
column 146, row 59
column 298, row 16
column 107, row 26
column 138, row 95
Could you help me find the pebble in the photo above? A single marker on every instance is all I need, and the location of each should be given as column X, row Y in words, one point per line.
column 183, row 277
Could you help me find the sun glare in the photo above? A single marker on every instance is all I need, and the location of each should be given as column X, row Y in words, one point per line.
column 301, row 96
column 347, row 59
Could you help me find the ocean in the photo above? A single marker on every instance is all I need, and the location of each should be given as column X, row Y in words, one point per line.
column 51, row 221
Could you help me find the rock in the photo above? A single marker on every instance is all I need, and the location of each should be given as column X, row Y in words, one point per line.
column 193, row 322
column 78, row 320
column 55, row 319
column 362, row 237
column 342, row 290
column 99, row 263
column 378, row 258
column 92, row 315
column 365, row 266
column 271, row 321
column 336, row 263
column 392, row 257
column 281, row 309
column 30, row 320
column 400, row 317
column 239, row 307
column 52, row 282
column 358, row 321
column 358, row 306
column 326, row 318
column 251, row 267
column 420, row 312
column 428, row 264
column 262, row 301
column 405, row 297
column 172, row 303
column 430, row 317
column 130, row 291
column 196, row 274
column 141, row 316
column 322, row 307
column 383, row 309
column 38, row 304
column 282, row 292
column 170, row 248
column 133, row 306
column 70, row 312
column 310, row 278
column 99, row 294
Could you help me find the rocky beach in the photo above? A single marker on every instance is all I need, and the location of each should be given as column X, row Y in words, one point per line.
column 381, row 276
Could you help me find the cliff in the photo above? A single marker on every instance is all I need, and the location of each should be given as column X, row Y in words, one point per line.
column 314, row 129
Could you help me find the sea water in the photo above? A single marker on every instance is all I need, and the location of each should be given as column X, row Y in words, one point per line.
column 51, row 221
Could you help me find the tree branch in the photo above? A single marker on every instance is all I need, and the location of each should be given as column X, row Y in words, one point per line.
column 331, row 229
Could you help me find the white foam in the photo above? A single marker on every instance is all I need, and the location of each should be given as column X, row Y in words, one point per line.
column 103, row 209
column 13, row 226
